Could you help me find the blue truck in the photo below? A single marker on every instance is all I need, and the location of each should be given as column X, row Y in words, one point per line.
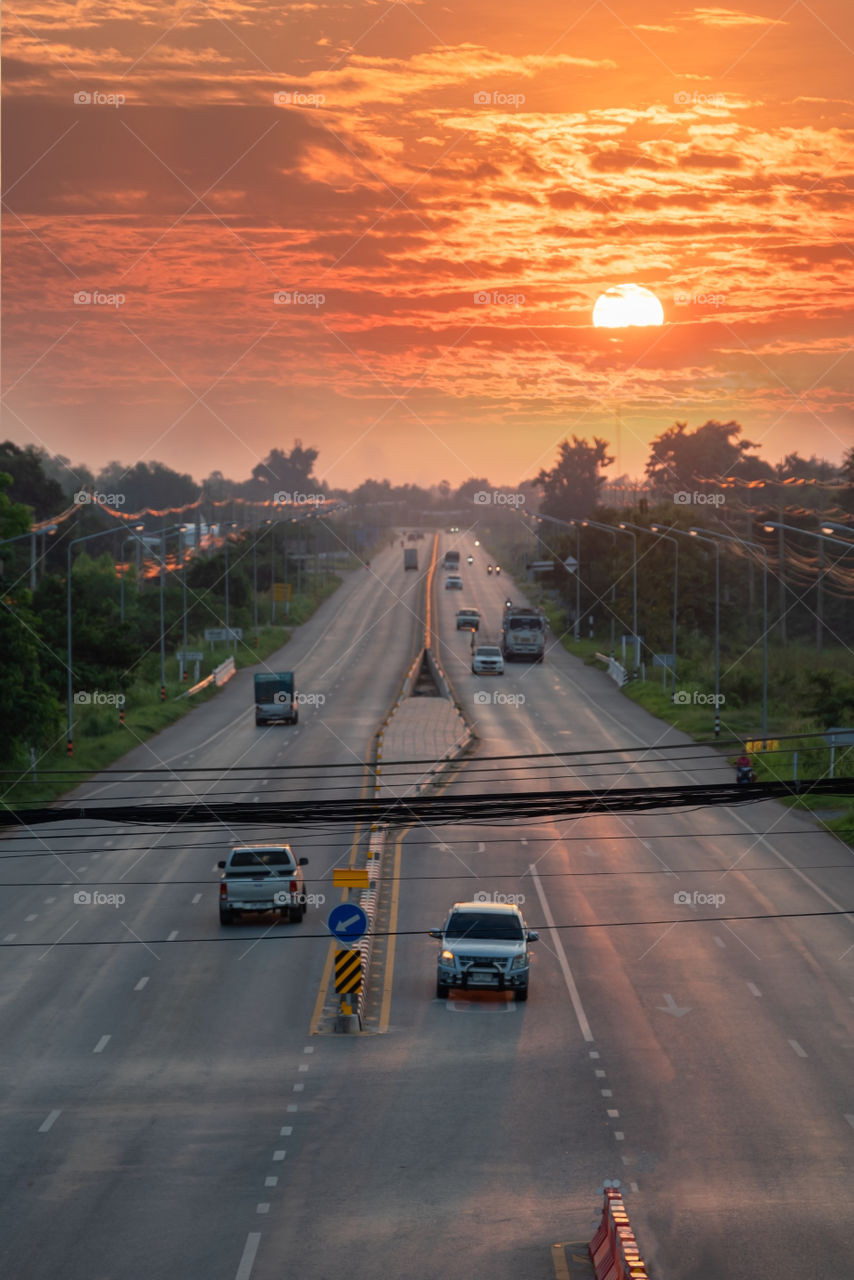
column 275, row 698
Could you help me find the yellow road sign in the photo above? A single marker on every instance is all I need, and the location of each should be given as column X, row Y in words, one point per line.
column 350, row 878
column 348, row 972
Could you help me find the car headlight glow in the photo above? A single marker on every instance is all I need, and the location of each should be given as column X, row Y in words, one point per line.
column 448, row 958
column 520, row 962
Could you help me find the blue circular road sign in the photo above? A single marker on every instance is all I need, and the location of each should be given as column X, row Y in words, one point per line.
column 347, row 922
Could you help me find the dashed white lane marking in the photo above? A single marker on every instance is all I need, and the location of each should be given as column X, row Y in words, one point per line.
column 523, row 842
column 298, row 1088
column 28, row 919
column 278, row 1155
column 753, row 989
column 272, row 1181
column 481, row 847
column 619, row 1136
column 720, row 942
column 607, row 1093
column 264, row 1207
column 562, row 960
column 309, row 1048
column 594, row 1053
column 79, row 869
column 10, row 937
column 102, row 1044
column 142, row 982
column 197, row 898
column 247, row 1259
column 613, row 1114
column 600, row 1073
column 292, row 1106
column 797, row 1048
column 850, row 1120
column 633, row 1186
column 48, row 901
column 172, row 936
column 50, row 1121
column 216, row 867
column 286, row 1130
column 303, row 1066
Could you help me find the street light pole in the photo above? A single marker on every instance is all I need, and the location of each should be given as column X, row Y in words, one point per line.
column 634, row 539
column 656, row 528
column 714, row 543
column 771, row 526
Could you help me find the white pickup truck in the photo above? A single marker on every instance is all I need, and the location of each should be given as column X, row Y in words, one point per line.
column 262, row 877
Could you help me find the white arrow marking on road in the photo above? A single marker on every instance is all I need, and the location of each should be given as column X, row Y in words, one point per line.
column 672, row 1007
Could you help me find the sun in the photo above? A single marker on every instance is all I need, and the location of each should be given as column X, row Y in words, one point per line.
column 627, row 304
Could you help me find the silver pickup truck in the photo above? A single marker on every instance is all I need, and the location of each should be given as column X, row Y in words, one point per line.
column 484, row 945
column 262, row 877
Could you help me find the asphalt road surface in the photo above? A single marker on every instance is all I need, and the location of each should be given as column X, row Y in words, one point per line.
column 166, row 1112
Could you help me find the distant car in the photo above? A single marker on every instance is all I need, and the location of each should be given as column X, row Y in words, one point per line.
column 453, row 583
column 484, row 945
column 412, row 537
column 468, row 620
column 487, row 660
column 262, row 877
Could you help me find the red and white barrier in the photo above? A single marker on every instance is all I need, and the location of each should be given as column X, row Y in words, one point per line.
column 614, row 1250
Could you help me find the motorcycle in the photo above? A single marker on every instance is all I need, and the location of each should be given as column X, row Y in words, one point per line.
column 498, row 568
column 489, row 568
column 744, row 774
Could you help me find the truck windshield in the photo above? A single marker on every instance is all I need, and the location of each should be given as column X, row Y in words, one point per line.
column 468, row 925
column 526, row 624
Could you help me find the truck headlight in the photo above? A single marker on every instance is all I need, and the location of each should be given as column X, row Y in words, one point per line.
column 519, row 962
column 448, row 959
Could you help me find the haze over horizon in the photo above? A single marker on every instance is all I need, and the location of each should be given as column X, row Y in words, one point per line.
column 383, row 230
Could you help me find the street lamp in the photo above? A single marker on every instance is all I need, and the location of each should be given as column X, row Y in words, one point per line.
column 230, row 524
column 657, row 529
column 613, row 532
column 634, row 539
column 31, row 534
column 69, row 685
column 743, row 542
column 772, row 526
column 695, row 533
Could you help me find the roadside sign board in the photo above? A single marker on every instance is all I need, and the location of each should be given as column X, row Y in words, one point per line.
column 347, row 922
column 190, row 655
column 348, row 972
column 350, row 878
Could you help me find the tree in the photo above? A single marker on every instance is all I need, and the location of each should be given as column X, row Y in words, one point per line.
column 281, row 472
column 147, row 484
column 571, row 489
column 29, row 483
column 680, row 459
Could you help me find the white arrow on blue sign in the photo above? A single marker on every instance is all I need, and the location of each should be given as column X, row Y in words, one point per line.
column 347, row 922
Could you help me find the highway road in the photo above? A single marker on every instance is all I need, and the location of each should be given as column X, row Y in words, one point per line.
column 166, row 1112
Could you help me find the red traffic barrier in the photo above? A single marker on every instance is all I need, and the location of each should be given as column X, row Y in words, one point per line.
column 614, row 1250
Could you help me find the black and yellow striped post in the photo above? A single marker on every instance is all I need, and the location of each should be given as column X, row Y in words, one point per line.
column 348, row 983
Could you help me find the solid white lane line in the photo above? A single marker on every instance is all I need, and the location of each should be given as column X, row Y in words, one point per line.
column 49, row 1122
column 753, row 989
column 102, row 1044
column 142, row 982
column 797, row 1048
column 247, row 1260
column 562, row 960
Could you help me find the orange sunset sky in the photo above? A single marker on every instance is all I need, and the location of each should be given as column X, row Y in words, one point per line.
column 382, row 228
